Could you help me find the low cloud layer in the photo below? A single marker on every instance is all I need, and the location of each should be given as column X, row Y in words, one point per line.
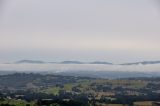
column 54, row 68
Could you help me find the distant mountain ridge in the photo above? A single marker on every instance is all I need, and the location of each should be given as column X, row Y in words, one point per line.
column 71, row 62
column 63, row 62
column 142, row 63
column 79, row 62
column 30, row 61
column 100, row 62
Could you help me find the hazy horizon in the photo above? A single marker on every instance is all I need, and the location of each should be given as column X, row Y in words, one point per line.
column 86, row 30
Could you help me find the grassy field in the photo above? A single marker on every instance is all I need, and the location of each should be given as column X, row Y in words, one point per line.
column 16, row 102
column 85, row 85
column 143, row 103
column 111, row 105
column 51, row 90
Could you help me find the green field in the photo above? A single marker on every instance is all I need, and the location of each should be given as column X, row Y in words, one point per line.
column 16, row 102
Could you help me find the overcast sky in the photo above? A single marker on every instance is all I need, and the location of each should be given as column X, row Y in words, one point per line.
column 86, row 30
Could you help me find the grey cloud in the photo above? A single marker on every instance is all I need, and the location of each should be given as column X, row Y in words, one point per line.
column 121, row 30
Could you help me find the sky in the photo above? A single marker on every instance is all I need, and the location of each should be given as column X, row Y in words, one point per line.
column 116, row 31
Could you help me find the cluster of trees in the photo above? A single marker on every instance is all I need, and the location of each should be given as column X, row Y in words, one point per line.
column 62, row 103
